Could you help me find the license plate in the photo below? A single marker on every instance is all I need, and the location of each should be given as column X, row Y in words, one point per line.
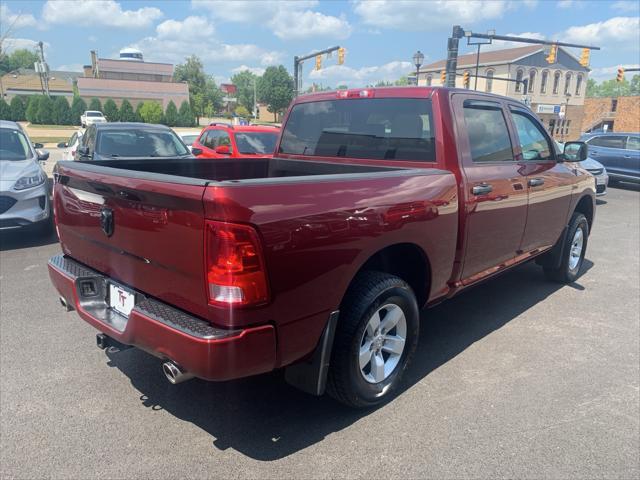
column 599, row 181
column 121, row 299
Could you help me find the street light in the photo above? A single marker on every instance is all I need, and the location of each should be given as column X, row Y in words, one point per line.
column 418, row 58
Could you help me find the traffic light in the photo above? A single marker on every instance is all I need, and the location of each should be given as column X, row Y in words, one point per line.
column 465, row 79
column 443, row 77
column 318, row 62
column 553, row 53
column 341, row 52
column 584, row 58
column 620, row 77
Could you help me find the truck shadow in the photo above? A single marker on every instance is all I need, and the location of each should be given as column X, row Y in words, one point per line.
column 19, row 238
column 265, row 419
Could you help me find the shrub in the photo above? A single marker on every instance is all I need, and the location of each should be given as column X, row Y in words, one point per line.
column 5, row 110
column 78, row 107
column 61, row 111
column 111, row 111
column 171, row 115
column 95, row 104
column 242, row 111
column 138, row 110
column 45, row 111
column 32, row 108
column 126, row 113
column 185, row 115
column 151, row 112
column 17, row 109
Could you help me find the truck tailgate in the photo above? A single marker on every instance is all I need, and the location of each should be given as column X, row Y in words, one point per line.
column 153, row 241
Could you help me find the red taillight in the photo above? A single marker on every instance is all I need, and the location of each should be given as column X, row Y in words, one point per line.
column 235, row 265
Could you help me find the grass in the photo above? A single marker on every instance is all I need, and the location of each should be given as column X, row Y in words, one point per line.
column 53, row 127
column 49, row 139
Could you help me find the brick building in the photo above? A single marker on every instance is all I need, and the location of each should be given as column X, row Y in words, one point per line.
column 620, row 114
column 26, row 81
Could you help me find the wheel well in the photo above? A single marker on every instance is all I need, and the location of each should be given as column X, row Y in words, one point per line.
column 585, row 206
column 407, row 261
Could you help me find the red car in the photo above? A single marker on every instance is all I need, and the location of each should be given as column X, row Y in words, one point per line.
column 222, row 140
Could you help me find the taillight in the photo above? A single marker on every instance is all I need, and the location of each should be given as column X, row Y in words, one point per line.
column 235, row 265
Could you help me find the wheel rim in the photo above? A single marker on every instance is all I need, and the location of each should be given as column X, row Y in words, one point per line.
column 382, row 343
column 575, row 252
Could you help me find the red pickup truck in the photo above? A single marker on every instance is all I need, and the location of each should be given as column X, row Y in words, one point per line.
column 378, row 202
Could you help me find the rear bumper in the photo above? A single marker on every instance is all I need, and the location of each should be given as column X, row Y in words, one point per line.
column 198, row 347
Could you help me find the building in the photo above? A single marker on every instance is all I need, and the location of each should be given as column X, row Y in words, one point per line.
column 132, row 78
column 26, row 81
column 556, row 92
column 613, row 114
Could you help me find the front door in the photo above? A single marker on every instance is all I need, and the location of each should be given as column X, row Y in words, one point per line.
column 495, row 187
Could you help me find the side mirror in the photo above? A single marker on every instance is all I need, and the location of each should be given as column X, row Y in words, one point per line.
column 62, row 145
column 196, row 150
column 83, row 151
column 575, row 152
column 38, row 145
column 223, row 150
column 43, row 155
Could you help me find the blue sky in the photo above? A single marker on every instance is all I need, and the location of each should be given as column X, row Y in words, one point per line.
column 380, row 36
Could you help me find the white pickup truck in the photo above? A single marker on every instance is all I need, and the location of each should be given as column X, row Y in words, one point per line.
column 90, row 117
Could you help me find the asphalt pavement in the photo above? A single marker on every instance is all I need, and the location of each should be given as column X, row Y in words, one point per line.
column 517, row 378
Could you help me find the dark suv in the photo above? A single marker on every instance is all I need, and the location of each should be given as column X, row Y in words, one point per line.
column 106, row 141
column 618, row 152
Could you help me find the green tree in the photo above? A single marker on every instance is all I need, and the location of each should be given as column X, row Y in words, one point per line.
column 126, row 112
column 342, row 87
column 138, row 110
column 78, row 107
column 61, row 114
column 592, row 88
column 151, row 112
column 242, row 111
column 171, row 115
column 244, row 82
column 209, row 110
column 185, row 115
column 402, row 81
column 21, row 58
column 275, row 88
column 5, row 110
column 111, row 111
column 45, row 111
column 95, row 104
column 17, row 109
column 32, row 108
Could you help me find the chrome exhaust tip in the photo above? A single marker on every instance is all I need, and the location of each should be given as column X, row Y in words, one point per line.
column 174, row 373
column 65, row 304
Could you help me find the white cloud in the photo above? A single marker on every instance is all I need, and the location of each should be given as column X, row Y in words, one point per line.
column 255, row 70
column 566, row 4
column 418, row 15
column 286, row 19
column 624, row 6
column 12, row 44
column 15, row 20
column 107, row 13
column 356, row 77
column 191, row 28
column 617, row 31
column 607, row 73
column 72, row 67
column 499, row 44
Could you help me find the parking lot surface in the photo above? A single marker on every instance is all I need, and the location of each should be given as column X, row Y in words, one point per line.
column 515, row 378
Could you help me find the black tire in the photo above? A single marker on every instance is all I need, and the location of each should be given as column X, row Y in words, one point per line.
column 564, row 273
column 369, row 292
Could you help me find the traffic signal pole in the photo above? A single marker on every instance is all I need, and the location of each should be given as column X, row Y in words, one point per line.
column 297, row 66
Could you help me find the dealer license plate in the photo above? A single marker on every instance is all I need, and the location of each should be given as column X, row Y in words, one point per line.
column 121, row 300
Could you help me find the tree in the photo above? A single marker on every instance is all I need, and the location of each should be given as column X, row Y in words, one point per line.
column 275, row 88
column 17, row 109
column 342, row 87
column 242, row 111
column 61, row 114
column 78, row 107
column 5, row 110
column 138, row 110
column 32, row 108
column 111, row 111
column 202, row 88
column 402, row 81
column 151, row 112
column 613, row 88
column 126, row 112
column 95, row 104
column 171, row 115
column 21, row 58
column 185, row 115
column 244, row 82
column 45, row 111
column 592, row 88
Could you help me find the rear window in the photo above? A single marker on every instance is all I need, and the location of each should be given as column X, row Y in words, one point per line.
column 189, row 139
column 139, row 143
column 376, row 128
column 94, row 114
column 256, row 142
column 609, row 141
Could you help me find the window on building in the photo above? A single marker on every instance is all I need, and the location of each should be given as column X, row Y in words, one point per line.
column 614, row 104
column 488, row 134
column 543, row 81
column 519, row 75
column 532, row 80
column 578, row 83
column 567, row 84
column 556, row 82
column 489, row 79
column 429, row 78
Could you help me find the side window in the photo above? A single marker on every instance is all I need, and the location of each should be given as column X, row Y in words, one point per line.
column 608, row 141
column 487, row 130
column 633, row 143
column 533, row 142
column 72, row 140
column 202, row 139
column 212, row 137
column 225, row 140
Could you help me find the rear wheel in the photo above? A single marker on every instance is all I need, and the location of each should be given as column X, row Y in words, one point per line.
column 375, row 339
column 573, row 251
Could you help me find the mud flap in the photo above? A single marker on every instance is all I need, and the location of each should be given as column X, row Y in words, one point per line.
column 553, row 258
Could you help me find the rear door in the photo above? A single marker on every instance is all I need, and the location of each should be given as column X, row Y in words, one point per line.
column 609, row 150
column 496, row 196
column 631, row 157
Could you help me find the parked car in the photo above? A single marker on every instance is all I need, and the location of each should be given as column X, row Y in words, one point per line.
column 596, row 169
column 221, row 140
column 377, row 203
column 105, row 141
column 619, row 153
column 91, row 117
column 24, row 194
column 71, row 145
column 189, row 137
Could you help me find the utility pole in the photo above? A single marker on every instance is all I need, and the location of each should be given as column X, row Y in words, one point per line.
column 297, row 67
column 452, row 55
column 44, row 71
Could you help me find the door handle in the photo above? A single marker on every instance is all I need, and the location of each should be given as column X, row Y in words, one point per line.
column 481, row 189
column 536, row 182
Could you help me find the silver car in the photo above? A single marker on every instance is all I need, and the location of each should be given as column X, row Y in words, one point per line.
column 596, row 169
column 24, row 194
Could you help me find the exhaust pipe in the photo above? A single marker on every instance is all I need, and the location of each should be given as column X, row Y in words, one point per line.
column 174, row 373
column 65, row 304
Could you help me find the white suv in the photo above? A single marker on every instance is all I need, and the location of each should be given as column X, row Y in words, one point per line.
column 90, row 117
